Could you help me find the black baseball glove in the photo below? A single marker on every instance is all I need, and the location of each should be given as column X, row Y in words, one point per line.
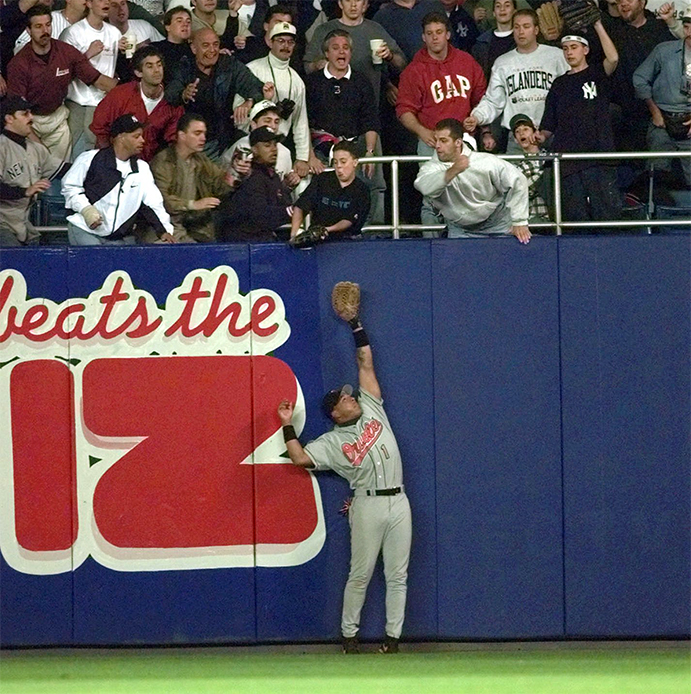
column 578, row 15
column 315, row 234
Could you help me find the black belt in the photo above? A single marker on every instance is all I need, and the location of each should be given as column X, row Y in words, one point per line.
column 384, row 492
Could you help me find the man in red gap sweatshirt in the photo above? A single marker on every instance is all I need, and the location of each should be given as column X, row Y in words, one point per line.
column 143, row 98
column 440, row 82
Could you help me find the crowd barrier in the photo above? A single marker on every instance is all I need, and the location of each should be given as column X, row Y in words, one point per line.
column 673, row 217
column 540, row 396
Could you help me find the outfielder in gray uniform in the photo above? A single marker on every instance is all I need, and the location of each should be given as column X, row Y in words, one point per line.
column 362, row 448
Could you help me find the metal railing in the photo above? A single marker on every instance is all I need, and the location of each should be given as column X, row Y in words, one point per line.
column 396, row 227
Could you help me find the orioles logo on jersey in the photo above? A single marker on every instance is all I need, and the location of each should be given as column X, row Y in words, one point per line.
column 356, row 452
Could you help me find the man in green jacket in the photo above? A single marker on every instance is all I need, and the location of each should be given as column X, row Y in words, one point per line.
column 191, row 184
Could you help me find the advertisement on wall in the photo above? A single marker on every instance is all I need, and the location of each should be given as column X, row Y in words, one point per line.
column 113, row 423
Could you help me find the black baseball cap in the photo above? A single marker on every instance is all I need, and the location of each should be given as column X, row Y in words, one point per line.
column 520, row 119
column 264, row 134
column 333, row 396
column 11, row 104
column 124, row 124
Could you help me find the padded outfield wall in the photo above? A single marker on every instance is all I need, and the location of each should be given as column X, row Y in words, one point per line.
column 540, row 396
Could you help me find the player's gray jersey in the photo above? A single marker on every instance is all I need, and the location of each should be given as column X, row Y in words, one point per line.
column 365, row 453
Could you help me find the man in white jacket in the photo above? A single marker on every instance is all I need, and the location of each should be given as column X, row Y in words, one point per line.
column 289, row 95
column 477, row 194
column 520, row 79
column 111, row 189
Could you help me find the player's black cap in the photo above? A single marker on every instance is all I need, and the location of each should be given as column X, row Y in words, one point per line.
column 126, row 123
column 11, row 104
column 264, row 134
column 333, row 396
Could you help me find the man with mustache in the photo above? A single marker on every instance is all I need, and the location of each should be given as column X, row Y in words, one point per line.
column 42, row 72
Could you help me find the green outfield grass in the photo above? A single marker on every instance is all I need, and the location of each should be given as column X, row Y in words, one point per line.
column 529, row 670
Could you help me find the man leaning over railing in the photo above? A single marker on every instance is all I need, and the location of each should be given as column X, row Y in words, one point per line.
column 477, row 194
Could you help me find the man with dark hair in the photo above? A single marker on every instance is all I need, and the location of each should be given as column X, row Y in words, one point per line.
column 25, row 169
column 73, row 11
column 176, row 45
column 336, row 200
column 577, row 114
column 143, row 98
column 119, row 17
column 520, row 79
column 111, row 190
column 495, row 42
column 41, row 73
column 476, row 193
column 262, row 203
column 362, row 448
column 191, row 184
column 208, row 84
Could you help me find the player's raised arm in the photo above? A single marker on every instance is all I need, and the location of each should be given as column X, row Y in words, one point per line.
column 345, row 299
column 295, row 450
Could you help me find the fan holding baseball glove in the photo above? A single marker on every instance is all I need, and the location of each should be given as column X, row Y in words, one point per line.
column 337, row 201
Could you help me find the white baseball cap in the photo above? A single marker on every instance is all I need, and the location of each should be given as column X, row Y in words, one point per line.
column 283, row 28
column 260, row 107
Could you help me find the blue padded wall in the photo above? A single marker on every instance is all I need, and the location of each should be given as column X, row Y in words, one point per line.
column 496, row 387
column 541, row 399
column 625, row 369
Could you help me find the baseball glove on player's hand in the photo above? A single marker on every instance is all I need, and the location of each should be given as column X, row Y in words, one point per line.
column 315, row 234
column 551, row 24
column 345, row 299
column 578, row 15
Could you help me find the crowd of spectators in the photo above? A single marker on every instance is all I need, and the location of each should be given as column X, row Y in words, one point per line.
column 193, row 121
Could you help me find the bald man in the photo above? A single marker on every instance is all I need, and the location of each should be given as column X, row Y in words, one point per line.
column 207, row 83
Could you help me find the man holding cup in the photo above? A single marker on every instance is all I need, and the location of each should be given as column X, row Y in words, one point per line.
column 366, row 58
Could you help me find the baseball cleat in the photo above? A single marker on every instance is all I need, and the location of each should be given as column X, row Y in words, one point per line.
column 390, row 645
column 351, row 644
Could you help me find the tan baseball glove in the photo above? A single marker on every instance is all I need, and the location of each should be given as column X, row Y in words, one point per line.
column 345, row 299
column 551, row 23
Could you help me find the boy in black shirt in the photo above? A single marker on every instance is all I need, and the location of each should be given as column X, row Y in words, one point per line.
column 577, row 114
column 337, row 200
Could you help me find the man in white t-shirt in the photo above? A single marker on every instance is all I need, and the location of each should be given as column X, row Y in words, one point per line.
column 119, row 17
column 100, row 42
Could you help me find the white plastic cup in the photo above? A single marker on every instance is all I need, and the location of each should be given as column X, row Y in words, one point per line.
column 130, row 45
column 375, row 45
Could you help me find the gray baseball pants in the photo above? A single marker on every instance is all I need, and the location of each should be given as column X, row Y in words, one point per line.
column 378, row 524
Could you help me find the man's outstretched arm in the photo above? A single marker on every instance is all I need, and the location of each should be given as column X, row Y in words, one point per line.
column 365, row 362
column 345, row 299
column 295, row 450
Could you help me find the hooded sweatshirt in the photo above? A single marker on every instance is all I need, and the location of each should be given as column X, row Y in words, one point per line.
column 436, row 89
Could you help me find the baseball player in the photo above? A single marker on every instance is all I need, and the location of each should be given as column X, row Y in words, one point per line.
column 362, row 448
